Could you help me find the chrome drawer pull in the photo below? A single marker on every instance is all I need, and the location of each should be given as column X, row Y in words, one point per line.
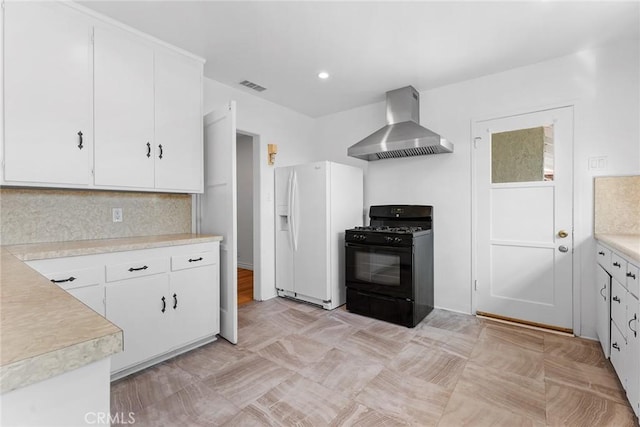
column 630, row 274
column 164, row 304
column 615, row 345
column 70, row 279
column 138, row 269
column 616, row 299
column 195, row 260
column 601, row 253
column 616, row 264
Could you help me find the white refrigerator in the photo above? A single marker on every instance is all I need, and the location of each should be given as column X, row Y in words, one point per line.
column 315, row 204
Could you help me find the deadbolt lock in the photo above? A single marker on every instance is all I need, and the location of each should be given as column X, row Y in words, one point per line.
column 562, row 234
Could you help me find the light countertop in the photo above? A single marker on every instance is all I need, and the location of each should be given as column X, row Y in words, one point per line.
column 36, row 251
column 44, row 330
column 628, row 244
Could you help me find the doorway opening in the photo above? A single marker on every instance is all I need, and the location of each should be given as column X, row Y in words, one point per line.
column 246, row 205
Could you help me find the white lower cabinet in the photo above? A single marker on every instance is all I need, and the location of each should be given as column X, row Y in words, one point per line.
column 625, row 319
column 139, row 308
column 603, row 308
column 166, row 300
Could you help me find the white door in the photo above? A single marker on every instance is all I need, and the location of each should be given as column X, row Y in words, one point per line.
column 217, row 208
column 178, row 122
column 123, row 79
column 523, row 217
column 310, row 230
column 47, row 94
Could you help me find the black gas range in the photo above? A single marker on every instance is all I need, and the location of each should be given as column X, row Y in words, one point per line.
column 389, row 264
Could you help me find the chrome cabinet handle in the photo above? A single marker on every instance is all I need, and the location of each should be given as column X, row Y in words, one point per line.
column 616, row 264
column 616, row 299
column 132, row 269
column 148, row 149
column 601, row 294
column 175, row 301
column 195, row 259
column 601, row 253
column 80, row 146
column 160, row 147
column 164, row 304
column 616, row 346
column 635, row 331
column 630, row 274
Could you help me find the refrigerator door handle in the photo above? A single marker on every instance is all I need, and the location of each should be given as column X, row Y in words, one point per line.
column 293, row 219
column 290, row 208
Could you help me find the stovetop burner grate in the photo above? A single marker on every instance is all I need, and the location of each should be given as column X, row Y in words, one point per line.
column 387, row 229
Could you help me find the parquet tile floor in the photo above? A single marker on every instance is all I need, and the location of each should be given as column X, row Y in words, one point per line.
column 298, row 365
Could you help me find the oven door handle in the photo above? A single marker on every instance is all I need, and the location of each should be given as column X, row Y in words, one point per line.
column 404, row 249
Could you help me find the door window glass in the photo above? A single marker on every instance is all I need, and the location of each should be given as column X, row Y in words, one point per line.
column 522, row 155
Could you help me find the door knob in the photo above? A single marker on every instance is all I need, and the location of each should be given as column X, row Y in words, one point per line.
column 563, row 248
column 562, row 234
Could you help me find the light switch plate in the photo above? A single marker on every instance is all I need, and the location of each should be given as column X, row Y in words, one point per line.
column 598, row 163
column 116, row 214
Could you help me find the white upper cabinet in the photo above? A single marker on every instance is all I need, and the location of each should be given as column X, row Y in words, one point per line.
column 178, row 122
column 47, row 94
column 71, row 76
column 123, row 110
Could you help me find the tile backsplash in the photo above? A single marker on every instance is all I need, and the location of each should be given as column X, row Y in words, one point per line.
column 47, row 215
column 617, row 205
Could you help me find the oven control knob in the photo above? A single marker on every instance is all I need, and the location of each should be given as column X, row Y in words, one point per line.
column 388, row 239
column 361, row 237
column 397, row 239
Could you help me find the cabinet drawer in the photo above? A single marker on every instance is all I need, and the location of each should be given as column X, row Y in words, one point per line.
column 603, row 255
column 618, row 268
column 618, row 305
column 182, row 262
column 77, row 278
column 633, row 281
column 133, row 269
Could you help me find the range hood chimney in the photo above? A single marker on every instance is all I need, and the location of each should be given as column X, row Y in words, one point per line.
column 402, row 136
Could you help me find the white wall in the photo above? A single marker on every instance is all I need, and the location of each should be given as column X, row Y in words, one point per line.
column 244, row 173
column 603, row 84
column 273, row 124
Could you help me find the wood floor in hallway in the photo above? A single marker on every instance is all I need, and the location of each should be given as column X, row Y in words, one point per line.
column 245, row 286
column 299, row 365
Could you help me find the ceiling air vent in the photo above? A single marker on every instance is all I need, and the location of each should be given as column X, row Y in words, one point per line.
column 252, row 85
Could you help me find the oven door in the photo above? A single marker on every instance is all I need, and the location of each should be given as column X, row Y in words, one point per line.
column 384, row 270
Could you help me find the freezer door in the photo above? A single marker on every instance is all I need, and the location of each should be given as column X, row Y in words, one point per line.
column 284, row 237
column 310, row 220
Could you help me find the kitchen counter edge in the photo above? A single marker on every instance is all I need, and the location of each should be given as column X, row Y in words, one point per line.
column 628, row 244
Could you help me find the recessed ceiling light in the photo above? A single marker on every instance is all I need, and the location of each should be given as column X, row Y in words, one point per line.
column 323, row 75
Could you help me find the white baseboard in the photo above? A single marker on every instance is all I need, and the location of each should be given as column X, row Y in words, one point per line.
column 245, row 266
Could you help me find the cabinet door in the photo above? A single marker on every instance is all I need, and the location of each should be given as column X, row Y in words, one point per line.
column 618, row 350
column 618, row 306
column 137, row 307
column 123, row 70
column 633, row 353
column 178, row 122
column 194, row 302
column 47, row 94
column 603, row 318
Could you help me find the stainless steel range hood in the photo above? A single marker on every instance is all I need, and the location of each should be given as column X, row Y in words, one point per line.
column 402, row 136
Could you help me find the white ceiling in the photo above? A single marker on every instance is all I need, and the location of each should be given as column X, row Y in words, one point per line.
column 370, row 47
